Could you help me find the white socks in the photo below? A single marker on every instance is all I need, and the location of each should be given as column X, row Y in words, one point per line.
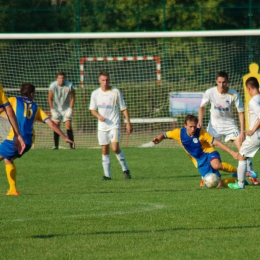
column 241, row 173
column 121, row 158
column 249, row 164
column 106, row 165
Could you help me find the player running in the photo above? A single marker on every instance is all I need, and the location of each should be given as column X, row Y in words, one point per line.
column 222, row 122
column 27, row 112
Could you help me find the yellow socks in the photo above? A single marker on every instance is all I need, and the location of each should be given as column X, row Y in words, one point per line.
column 11, row 176
column 226, row 167
column 229, row 180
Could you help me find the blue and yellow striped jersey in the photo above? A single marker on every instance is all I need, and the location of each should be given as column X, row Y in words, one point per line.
column 27, row 112
column 195, row 146
column 3, row 99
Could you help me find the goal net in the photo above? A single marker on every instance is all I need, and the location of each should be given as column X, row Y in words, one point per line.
column 151, row 70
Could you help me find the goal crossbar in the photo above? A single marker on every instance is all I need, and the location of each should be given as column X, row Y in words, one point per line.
column 172, row 34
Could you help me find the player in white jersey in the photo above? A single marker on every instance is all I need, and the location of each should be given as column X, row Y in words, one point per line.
column 252, row 142
column 222, row 123
column 105, row 104
column 61, row 99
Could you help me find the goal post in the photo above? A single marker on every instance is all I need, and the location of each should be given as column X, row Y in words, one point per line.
column 147, row 67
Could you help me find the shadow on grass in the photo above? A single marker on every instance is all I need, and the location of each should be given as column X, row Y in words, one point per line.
column 142, row 231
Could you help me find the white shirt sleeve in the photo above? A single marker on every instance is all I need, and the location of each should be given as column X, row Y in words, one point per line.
column 239, row 104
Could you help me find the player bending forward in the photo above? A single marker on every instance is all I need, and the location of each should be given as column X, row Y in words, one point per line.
column 197, row 143
column 27, row 112
column 108, row 100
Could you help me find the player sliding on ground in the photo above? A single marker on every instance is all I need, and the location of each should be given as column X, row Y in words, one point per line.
column 27, row 112
column 197, row 143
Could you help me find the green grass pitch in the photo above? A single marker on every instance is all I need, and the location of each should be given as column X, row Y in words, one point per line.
column 65, row 211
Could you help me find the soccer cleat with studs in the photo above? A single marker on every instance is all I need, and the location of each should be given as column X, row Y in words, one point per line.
column 127, row 174
column 12, row 193
column 252, row 174
column 105, row 178
column 235, row 186
column 254, row 181
column 202, row 184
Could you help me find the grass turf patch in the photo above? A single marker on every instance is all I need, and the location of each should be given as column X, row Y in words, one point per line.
column 65, row 210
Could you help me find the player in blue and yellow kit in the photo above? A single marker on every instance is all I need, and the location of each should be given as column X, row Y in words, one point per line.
column 198, row 144
column 27, row 112
column 5, row 106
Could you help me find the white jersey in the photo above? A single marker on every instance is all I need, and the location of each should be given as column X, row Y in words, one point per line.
column 221, row 106
column 108, row 104
column 61, row 94
column 254, row 111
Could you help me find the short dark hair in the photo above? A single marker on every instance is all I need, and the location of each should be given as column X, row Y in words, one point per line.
column 191, row 118
column 222, row 74
column 61, row 73
column 26, row 89
column 252, row 82
column 104, row 73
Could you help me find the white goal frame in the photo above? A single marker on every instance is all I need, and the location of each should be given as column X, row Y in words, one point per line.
column 150, row 121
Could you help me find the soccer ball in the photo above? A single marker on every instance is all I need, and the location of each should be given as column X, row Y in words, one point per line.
column 211, row 180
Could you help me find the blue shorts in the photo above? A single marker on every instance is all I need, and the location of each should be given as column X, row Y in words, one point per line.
column 204, row 165
column 8, row 152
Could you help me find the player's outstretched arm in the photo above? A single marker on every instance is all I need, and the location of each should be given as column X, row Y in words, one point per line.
column 129, row 127
column 158, row 139
column 225, row 148
column 18, row 141
column 55, row 128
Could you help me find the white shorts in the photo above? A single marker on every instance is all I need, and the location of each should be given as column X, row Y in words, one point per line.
column 62, row 117
column 250, row 145
column 107, row 137
column 230, row 133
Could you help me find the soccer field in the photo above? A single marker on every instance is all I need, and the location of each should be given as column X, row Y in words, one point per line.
column 65, row 211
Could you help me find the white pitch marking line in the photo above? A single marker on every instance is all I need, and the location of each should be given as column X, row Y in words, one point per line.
column 148, row 207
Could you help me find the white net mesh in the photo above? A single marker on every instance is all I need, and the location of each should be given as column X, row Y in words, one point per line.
column 187, row 64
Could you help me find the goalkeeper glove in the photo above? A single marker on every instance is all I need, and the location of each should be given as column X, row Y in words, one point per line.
column 55, row 115
column 68, row 113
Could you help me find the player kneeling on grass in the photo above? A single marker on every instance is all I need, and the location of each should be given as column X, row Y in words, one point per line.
column 197, row 143
column 27, row 112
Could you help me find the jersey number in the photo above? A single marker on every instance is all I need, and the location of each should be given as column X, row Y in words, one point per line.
column 28, row 112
